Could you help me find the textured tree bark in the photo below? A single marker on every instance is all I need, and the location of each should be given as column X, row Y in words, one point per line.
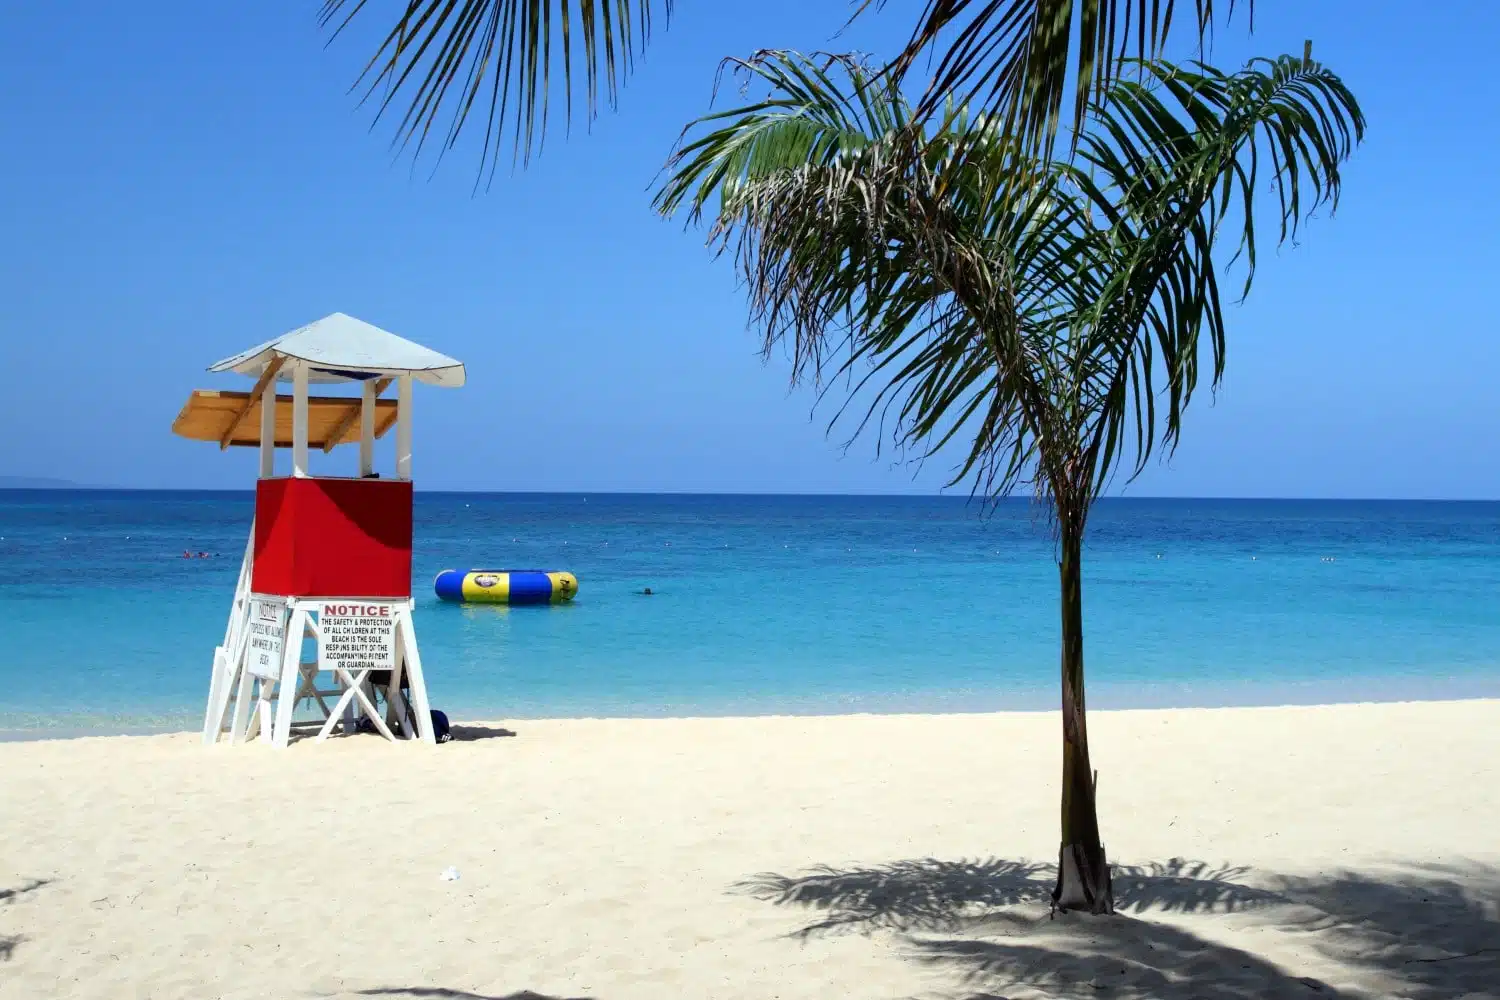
column 1083, row 877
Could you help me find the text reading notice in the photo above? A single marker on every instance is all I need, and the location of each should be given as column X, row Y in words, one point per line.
column 356, row 635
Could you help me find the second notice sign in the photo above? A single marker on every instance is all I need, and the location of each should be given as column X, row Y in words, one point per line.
column 357, row 635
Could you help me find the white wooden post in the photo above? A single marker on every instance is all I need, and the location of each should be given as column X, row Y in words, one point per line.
column 395, row 714
column 263, row 711
column 299, row 420
column 213, row 715
column 240, row 725
column 268, row 431
column 367, row 428
column 407, row 636
column 232, row 664
column 241, row 590
column 403, row 427
column 291, row 674
column 220, row 682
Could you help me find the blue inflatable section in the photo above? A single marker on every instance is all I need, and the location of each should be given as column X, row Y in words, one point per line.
column 449, row 584
column 530, row 587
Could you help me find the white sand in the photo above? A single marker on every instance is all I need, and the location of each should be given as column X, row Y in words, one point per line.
column 1336, row 851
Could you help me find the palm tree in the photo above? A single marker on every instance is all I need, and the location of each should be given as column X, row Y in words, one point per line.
column 1051, row 329
column 493, row 59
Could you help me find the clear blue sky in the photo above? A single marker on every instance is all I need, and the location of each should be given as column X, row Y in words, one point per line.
column 179, row 180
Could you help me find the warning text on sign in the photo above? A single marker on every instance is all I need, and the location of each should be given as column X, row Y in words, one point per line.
column 267, row 629
column 356, row 636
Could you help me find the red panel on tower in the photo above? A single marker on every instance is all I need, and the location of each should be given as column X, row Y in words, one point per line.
column 332, row 538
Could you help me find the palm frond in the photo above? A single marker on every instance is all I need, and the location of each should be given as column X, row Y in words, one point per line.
column 453, row 59
column 1045, row 318
column 1167, row 160
column 1018, row 59
column 807, row 120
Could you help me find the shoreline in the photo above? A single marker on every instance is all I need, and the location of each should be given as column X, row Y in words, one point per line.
column 70, row 733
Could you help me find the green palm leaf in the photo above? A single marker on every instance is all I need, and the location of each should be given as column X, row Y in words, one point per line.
column 450, row 58
column 1019, row 58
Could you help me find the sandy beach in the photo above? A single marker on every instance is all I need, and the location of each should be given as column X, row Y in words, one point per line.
column 1325, row 851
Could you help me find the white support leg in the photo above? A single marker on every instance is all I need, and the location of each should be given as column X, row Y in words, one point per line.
column 367, row 428
column 221, row 682
column 241, row 724
column 291, row 673
column 233, row 673
column 258, row 726
column 397, row 712
column 403, row 427
column 407, row 636
column 264, row 715
column 252, row 728
column 299, row 420
column 241, row 590
column 218, row 697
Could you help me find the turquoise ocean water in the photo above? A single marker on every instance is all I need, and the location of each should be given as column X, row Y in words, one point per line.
column 785, row 604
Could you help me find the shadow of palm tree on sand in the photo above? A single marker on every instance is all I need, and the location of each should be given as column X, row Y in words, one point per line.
column 10, row 942
column 1421, row 933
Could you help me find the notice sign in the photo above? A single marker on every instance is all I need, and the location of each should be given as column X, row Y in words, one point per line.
column 356, row 635
column 267, row 634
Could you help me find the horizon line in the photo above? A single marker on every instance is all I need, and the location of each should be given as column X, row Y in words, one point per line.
column 83, row 487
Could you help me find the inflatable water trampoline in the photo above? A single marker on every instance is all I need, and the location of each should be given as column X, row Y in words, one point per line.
column 505, row 586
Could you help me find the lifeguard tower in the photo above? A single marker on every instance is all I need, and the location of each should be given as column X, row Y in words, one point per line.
column 329, row 557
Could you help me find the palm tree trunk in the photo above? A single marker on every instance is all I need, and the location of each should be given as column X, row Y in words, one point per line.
column 1083, row 879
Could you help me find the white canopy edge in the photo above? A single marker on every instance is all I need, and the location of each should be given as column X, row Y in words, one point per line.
column 340, row 348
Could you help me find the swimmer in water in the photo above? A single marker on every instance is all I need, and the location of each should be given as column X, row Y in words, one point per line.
column 646, row 592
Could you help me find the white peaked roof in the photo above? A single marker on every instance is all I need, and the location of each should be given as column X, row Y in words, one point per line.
column 340, row 348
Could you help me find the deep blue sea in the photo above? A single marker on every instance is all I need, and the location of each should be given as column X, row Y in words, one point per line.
column 767, row 604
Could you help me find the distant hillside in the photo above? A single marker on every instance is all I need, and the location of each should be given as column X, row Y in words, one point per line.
column 39, row 483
